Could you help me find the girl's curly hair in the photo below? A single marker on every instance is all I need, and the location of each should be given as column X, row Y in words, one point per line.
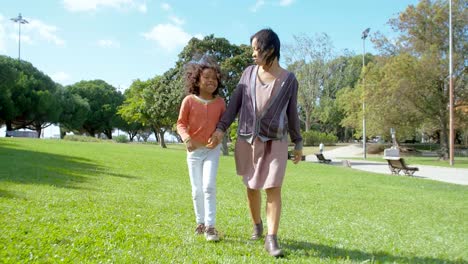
column 193, row 70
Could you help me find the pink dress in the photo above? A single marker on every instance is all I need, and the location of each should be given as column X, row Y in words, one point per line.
column 262, row 164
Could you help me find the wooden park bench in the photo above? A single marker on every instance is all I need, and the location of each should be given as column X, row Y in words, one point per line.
column 322, row 159
column 398, row 164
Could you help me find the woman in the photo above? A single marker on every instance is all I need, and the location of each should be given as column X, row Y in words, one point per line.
column 266, row 101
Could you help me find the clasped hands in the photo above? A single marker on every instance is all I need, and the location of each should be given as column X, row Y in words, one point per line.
column 217, row 137
column 213, row 141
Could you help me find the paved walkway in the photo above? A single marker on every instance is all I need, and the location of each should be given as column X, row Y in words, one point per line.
column 445, row 174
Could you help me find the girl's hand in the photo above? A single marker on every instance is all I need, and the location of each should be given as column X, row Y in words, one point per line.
column 192, row 145
column 189, row 146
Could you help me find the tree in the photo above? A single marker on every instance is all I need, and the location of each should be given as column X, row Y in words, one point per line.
column 349, row 102
column 8, row 78
column 132, row 110
column 342, row 71
column 103, row 100
column 308, row 58
column 31, row 99
column 154, row 103
column 424, row 36
column 162, row 101
column 75, row 110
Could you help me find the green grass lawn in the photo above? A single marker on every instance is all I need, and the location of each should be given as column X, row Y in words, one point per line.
column 77, row 202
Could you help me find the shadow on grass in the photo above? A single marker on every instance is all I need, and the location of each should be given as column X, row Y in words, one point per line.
column 306, row 249
column 7, row 194
column 31, row 167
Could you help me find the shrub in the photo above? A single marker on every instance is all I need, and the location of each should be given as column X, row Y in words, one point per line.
column 232, row 135
column 81, row 138
column 375, row 148
column 314, row 138
column 121, row 139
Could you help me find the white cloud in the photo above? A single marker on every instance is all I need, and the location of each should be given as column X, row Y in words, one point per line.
column 25, row 38
column 168, row 36
column 107, row 43
column 285, row 2
column 31, row 33
column 87, row 5
column 177, row 20
column 165, row 6
column 257, row 5
column 46, row 32
column 142, row 8
column 60, row 77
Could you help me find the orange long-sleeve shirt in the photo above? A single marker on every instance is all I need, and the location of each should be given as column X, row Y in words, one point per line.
column 197, row 119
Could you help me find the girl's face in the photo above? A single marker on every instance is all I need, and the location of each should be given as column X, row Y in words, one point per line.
column 258, row 55
column 208, row 83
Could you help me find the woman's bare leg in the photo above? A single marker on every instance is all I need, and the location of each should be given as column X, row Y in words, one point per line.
column 273, row 209
column 255, row 200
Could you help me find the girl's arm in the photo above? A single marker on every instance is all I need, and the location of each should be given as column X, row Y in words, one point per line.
column 183, row 120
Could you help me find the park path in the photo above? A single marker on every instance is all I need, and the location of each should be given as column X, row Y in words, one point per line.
column 444, row 174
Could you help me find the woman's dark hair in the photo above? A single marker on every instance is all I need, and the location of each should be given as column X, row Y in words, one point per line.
column 268, row 39
column 193, row 71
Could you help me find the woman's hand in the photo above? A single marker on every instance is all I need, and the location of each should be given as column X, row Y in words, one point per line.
column 297, row 156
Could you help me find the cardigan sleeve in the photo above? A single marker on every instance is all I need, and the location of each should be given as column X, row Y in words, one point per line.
column 183, row 120
column 293, row 118
column 235, row 103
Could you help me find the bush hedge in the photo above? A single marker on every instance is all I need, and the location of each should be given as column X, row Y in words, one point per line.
column 314, row 138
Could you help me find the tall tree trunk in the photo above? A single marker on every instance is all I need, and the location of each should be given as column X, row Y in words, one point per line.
column 444, row 150
column 9, row 127
column 307, row 121
column 162, row 142
column 108, row 133
column 131, row 135
column 63, row 132
column 38, row 131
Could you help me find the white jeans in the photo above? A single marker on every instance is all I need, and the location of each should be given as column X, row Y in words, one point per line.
column 203, row 167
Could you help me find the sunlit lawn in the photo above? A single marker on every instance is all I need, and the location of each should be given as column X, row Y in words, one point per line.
column 78, row 202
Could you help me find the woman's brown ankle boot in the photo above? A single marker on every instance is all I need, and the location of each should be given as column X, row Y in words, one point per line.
column 272, row 247
column 257, row 231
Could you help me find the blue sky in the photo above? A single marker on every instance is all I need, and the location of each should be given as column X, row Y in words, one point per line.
column 119, row 41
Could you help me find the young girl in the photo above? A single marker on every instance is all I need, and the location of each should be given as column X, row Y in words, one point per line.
column 199, row 113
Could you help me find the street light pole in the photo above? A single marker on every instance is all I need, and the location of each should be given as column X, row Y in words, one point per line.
column 365, row 33
column 20, row 20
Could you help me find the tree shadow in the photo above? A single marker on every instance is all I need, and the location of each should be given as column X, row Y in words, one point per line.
column 32, row 167
column 307, row 249
column 7, row 194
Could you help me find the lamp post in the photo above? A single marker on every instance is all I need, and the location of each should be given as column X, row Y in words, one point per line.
column 365, row 33
column 20, row 20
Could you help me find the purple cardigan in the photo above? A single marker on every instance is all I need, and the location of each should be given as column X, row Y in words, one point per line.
column 280, row 115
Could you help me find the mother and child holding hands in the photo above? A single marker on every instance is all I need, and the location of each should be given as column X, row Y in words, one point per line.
column 265, row 103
